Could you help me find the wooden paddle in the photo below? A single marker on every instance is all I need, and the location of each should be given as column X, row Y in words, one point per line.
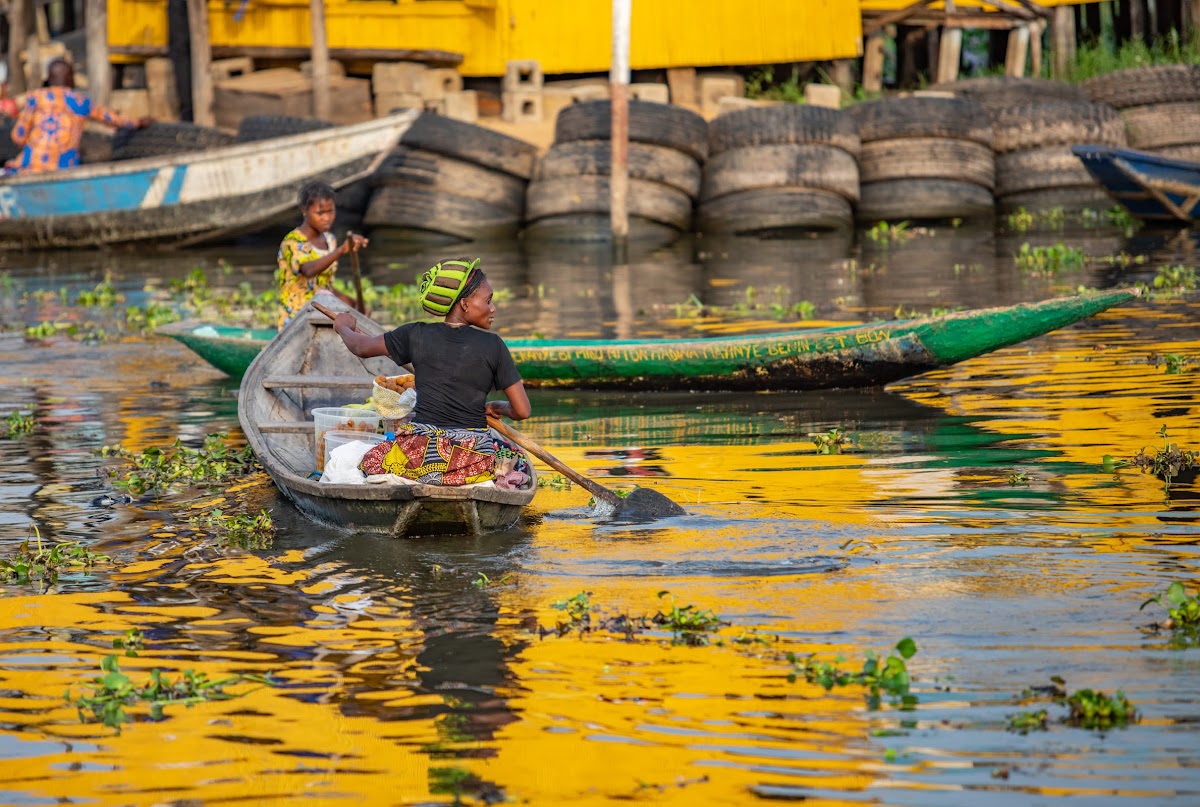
column 642, row 504
column 358, row 292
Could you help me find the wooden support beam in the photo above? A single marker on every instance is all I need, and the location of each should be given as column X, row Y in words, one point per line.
column 872, row 73
column 99, row 71
column 949, row 52
column 843, row 76
column 1191, row 19
column 320, row 60
column 1018, row 50
column 1063, row 35
column 202, row 87
column 899, row 15
column 1035, row 47
column 18, row 33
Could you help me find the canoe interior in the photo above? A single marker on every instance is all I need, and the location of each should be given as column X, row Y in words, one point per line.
column 1149, row 186
column 308, row 366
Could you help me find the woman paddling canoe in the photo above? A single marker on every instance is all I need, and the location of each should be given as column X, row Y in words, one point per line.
column 457, row 362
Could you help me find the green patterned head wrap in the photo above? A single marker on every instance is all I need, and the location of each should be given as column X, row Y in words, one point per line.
column 442, row 285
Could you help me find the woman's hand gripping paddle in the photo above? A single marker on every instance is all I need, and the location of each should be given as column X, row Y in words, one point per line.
column 642, row 504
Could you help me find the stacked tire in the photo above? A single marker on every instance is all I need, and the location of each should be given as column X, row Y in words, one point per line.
column 924, row 158
column 451, row 181
column 778, row 169
column 1035, row 168
column 568, row 198
column 999, row 92
column 161, row 139
column 1160, row 106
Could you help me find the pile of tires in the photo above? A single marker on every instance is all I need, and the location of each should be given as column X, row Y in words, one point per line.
column 1035, row 168
column 162, row 139
column 779, row 169
column 924, row 158
column 999, row 92
column 568, row 198
column 1160, row 106
column 451, row 181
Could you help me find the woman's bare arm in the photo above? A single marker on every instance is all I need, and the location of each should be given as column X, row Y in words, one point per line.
column 361, row 345
column 516, row 407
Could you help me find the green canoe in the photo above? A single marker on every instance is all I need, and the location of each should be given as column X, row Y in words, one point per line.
column 803, row 359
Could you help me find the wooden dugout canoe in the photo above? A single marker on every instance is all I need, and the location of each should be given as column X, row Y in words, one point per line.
column 816, row 358
column 189, row 197
column 308, row 366
column 1150, row 187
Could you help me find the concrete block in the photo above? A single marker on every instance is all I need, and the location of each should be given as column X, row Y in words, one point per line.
column 683, row 86
column 717, row 86
column 522, row 75
column 522, row 107
column 160, row 84
column 398, row 77
column 826, row 95
column 221, row 69
column 731, row 103
column 130, row 103
column 335, row 68
column 387, row 101
column 438, row 81
column 463, row 106
column 655, row 93
column 557, row 95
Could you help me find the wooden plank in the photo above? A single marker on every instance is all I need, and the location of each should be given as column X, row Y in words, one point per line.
column 319, row 381
column 1035, row 47
column 892, row 17
column 1018, row 50
column 320, row 60
column 872, row 77
column 439, row 58
column 1063, row 36
column 202, row 88
column 99, row 72
column 18, row 28
column 288, row 427
column 949, row 50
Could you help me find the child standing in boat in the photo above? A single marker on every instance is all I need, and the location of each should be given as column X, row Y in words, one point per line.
column 457, row 362
column 308, row 255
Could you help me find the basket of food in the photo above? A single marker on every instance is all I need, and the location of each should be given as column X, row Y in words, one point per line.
column 394, row 396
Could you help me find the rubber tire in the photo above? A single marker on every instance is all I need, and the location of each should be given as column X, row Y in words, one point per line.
column 472, row 144
column 161, row 139
column 646, row 161
column 1073, row 199
column 783, row 124
column 927, row 158
column 1040, row 169
column 998, row 92
column 567, row 196
column 1138, row 86
column 1155, row 126
column 418, row 168
column 923, row 199
column 95, row 147
column 400, row 206
column 824, row 168
column 586, row 228
column 353, row 199
column 914, row 116
column 254, row 128
column 657, row 124
column 1045, row 123
column 8, row 149
column 1189, row 152
column 774, row 211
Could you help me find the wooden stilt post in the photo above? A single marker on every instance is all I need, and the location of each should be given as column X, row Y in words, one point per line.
column 18, row 31
column 99, row 72
column 1063, row 34
column 202, row 89
column 843, row 76
column 1036, row 28
column 320, row 60
column 1018, row 49
column 1191, row 20
column 618, row 78
column 872, row 77
column 949, row 48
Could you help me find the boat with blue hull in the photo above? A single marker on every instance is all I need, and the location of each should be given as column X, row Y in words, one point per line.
column 189, row 197
column 1150, row 187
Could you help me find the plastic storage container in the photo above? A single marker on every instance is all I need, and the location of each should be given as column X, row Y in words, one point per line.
column 334, row 438
column 340, row 418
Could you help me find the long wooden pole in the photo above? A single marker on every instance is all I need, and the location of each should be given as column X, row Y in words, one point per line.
column 320, row 60
column 18, row 30
column 202, row 89
column 618, row 78
column 99, row 72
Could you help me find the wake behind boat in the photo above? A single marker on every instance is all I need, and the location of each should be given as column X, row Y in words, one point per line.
column 803, row 359
column 190, row 197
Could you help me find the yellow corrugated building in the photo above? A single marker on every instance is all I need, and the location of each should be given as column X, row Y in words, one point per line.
column 563, row 37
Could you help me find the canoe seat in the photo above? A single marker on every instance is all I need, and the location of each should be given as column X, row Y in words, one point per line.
column 322, row 381
column 286, row 427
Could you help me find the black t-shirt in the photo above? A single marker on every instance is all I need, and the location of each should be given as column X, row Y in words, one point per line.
column 456, row 368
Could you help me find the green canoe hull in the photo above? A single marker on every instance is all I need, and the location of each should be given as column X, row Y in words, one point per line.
column 815, row 358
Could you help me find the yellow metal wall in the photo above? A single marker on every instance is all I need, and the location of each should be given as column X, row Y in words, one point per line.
column 565, row 37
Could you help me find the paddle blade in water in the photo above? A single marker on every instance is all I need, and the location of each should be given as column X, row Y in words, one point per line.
column 644, row 504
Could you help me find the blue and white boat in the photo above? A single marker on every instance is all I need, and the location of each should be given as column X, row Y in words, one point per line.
column 1150, row 187
column 190, row 197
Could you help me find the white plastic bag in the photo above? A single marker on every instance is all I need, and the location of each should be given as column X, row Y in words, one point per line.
column 341, row 466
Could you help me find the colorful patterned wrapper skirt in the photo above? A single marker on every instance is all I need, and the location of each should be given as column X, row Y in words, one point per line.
column 434, row 456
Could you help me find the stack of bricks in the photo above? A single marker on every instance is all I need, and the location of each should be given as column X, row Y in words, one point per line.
column 521, row 98
column 412, row 85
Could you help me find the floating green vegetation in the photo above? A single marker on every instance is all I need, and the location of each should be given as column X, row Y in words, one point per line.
column 102, row 296
column 879, row 676
column 578, row 610
column 1176, row 279
column 158, row 470
column 79, row 331
column 19, row 425
column 113, row 691
column 1025, row 722
column 1049, row 260
column 555, row 482
column 244, row 530
column 1095, row 710
column 1166, row 461
column 146, row 318
column 777, row 305
column 1115, row 216
column 483, row 581
column 1175, row 363
column 1017, row 477
column 688, row 624
column 1183, row 614
column 687, row 621
column 43, row 565
column 133, row 641
column 1124, row 260
column 833, row 441
column 884, row 233
column 1022, row 220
